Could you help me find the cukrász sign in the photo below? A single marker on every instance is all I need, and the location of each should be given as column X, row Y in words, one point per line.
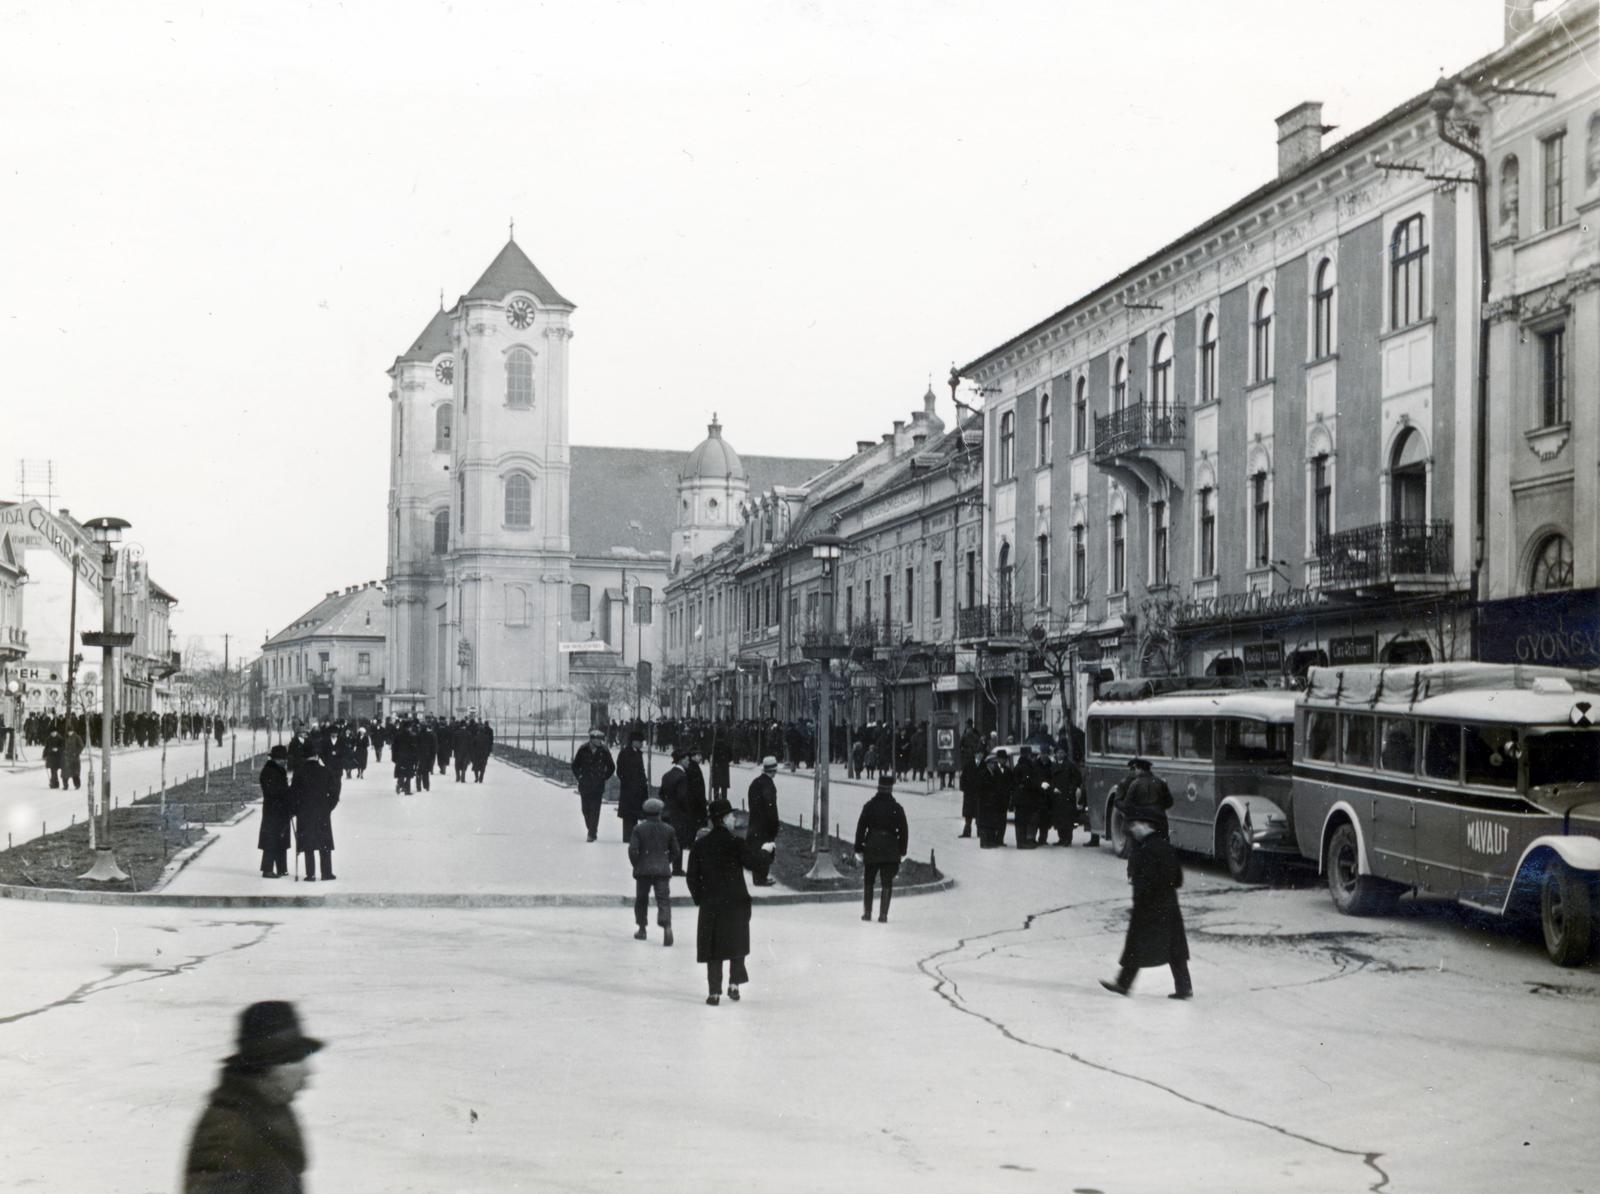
column 58, row 536
column 1227, row 606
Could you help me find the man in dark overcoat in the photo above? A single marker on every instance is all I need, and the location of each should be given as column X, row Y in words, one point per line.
column 1065, row 780
column 971, row 780
column 634, row 787
column 763, row 825
column 276, row 814
column 1146, row 794
column 592, row 766
column 882, row 839
column 675, row 807
column 461, row 744
column 314, row 793
column 717, row 863
column 427, row 749
column 72, row 757
column 403, row 752
column 694, row 781
column 721, row 767
column 1155, row 930
column 482, row 748
column 54, row 752
column 247, row 1138
column 994, row 798
column 443, row 744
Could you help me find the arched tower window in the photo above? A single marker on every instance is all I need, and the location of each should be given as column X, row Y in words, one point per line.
column 442, row 418
column 519, row 379
column 519, row 500
column 441, row 532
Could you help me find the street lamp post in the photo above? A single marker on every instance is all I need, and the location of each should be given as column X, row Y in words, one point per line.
column 824, row 646
column 107, row 532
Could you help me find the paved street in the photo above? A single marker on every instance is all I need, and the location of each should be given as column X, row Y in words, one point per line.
column 965, row 1045
column 27, row 801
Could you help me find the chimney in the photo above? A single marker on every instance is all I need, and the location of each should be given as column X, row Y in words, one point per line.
column 863, row 445
column 1299, row 136
column 919, row 439
column 1519, row 18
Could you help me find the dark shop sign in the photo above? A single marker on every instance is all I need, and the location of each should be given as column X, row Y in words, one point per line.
column 1550, row 629
column 1353, row 648
column 1228, row 606
column 1264, row 657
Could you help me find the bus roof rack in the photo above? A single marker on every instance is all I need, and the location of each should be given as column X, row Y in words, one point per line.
column 1406, row 684
column 1138, row 688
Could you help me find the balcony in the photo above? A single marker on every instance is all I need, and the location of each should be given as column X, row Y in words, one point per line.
column 1389, row 555
column 13, row 642
column 1144, row 443
column 991, row 621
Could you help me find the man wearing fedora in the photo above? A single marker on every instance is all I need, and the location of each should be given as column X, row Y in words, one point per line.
column 675, row 807
column 633, row 784
column 248, row 1138
column 717, row 863
column 276, row 814
column 592, row 766
column 882, row 838
column 1155, row 930
column 763, row 825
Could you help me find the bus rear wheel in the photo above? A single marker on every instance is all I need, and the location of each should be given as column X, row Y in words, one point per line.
column 1117, row 830
column 1565, row 913
column 1353, row 893
column 1245, row 864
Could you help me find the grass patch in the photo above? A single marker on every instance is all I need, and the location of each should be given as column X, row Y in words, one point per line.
column 143, row 841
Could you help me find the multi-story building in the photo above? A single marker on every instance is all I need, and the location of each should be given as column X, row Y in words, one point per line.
column 1259, row 447
column 328, row 662
column 13, row 632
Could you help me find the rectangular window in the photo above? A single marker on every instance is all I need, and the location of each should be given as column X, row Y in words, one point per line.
column 322, row 661
column 888, row 599
column 1194, row 738
column 461, row 501
column 1553, row 376
column 1321, row 499
column 911, row 590
column 1262, row 521
column 849, row 606
column 1122, row 736
column 1008, row 446
column 1155, row 738
column 866, row 592
column 644, row 606
column 1554, row 151
column 1398, row 748
column 1360, row 740
column 1441, row 751
column 1080, row 563
column 364, row 664
column 972, row 579
column 1119, row 556
column 1043, row 585
column 1080, row 421
column 938, row 589
column 1158, row 543
column 1322, row 740
column 1208, row 362
column 1491, row 756
column 580, row 603
column 1044, row 431
column 1208, row 533
column 1408, row 253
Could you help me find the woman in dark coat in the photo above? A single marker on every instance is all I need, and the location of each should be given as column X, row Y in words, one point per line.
column 1155, row 931
column 276, row 814
column 717, row 863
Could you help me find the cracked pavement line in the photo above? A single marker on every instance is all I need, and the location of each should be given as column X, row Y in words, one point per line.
column 144, row 972
column 948, row 990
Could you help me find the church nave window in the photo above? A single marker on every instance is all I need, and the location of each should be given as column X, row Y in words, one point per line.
column 519, row 379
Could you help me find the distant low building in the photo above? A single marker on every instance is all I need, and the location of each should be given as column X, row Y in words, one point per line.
column 328, row 662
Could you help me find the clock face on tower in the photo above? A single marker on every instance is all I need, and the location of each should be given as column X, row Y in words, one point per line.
column 445, row 370
column 520, row 313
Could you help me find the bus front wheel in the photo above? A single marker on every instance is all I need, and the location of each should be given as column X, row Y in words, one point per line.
column 1245, row 864
column 1117, row 830
column 1565, row 914
column 1353, row 893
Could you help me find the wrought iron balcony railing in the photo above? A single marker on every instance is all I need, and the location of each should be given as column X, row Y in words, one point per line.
column 1380, row 554
column 990, row 620
column 1142, row 425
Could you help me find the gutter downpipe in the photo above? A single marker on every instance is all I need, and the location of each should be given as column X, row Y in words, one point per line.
column 1442, row 101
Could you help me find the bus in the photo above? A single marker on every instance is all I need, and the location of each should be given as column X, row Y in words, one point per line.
column 1225, row 753
column 1475, row 782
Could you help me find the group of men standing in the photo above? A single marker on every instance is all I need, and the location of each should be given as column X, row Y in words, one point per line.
column 300, row 787
column 1037, row 783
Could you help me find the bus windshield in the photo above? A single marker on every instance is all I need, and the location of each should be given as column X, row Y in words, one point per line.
column 1565, row 757
column 1244, row 741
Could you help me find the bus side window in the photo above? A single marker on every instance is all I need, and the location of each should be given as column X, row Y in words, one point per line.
column 1122, row 736
column 1358, row 739
column 1320, row 735
column 1097, row 736
column 1155, row 738
column 1194, row 738
column 1399, row 747
column 1491, row 756
column 1441, row 751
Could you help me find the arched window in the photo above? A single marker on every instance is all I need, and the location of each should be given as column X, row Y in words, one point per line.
column 1261, row 519
column 1005, row 573
column 519, row 500
column 1408, row 479
column 1261, row 337
column 1044, row 430
column 1408, row 253
column 1208, row 359
column 1119, row 556
column 516, row 605
column 1552, row 566
column 1161, row 380
column 1322, row 311
column 442, row 416
column 441, row 532
column 580, row 603
column 1119, row 385
column 1080, row 417
column 1008, row 447
column 519, row 379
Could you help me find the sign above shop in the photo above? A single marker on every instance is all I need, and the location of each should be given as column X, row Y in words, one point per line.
column 1353, row 648
column 1264, row 656
column 1551, row 629
column 1226, row 606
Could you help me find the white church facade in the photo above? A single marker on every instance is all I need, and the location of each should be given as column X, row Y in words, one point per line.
column 526, row 573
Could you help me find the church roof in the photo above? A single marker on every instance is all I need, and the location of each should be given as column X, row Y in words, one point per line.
column 512, row 270
column 628, row 497
column 435, row 339
column 713, row 457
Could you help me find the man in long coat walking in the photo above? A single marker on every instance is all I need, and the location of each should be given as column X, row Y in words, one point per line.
column 482, row 748
column 592, row 766
column 675, row 807
column 1155, row 930
column 717, row 863
column 634, row 786
column 763, row 824
column 276, row 814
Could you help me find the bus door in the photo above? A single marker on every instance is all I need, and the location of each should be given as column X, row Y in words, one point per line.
column 1491, row 844
column 1440, row 819
column 1391, row 811
column 1194, row 784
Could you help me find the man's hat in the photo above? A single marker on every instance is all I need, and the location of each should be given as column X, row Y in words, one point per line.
column 636, row 736
column 278, row 752
column 719, row 808
column 269, row 1034
column 769, row 763
column 653, row 807
column 597, row 734
column 886, row 782
column 677, row 755
column 1143, row 764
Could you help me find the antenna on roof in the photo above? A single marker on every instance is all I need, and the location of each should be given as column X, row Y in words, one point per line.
column 513, row 223
column 441, row 298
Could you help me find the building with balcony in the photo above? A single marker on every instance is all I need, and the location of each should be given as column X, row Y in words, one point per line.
column 13, row 632
column 329, row 662
column 1262, row 446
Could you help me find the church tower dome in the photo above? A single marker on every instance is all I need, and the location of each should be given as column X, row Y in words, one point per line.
column 711, row 485
column 713, row 458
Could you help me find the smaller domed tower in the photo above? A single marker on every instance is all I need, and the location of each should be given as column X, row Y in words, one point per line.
column 711, row 485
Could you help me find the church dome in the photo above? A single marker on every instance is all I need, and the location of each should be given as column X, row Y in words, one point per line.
column 714, row 458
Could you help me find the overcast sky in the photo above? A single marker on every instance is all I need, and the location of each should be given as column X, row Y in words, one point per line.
column 222, row 222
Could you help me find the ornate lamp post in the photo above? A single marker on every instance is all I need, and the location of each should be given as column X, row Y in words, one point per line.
column 107, row 533
column 824, row 644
